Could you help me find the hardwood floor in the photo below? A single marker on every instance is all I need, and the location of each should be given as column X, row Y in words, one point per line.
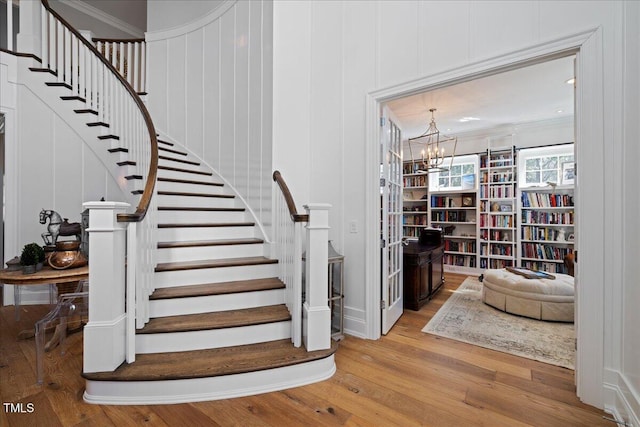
column 406, row 378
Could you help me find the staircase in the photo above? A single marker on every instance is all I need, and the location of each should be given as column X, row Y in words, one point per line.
column 218, row 324
column 217, row 321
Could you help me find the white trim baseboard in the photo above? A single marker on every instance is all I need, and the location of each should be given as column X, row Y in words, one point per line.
column 621, row 400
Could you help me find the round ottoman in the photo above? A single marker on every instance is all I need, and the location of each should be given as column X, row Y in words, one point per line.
column 543, row 299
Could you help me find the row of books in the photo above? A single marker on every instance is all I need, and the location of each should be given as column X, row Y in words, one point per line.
column 496, row 161
column 414, row 181
column 503, row 191
column 451, row 216
column 533, row 232
column 414, row 220
column 503, row 249
column 459, row 260
column 502, row 221
column 496, row 235
column 546, row 200
column 454, row 246
column 495, row 263
column 544, row 251
column 556, row 218
column 549, row 267
column 452, row 201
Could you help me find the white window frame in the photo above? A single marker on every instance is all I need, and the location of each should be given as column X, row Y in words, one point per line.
column 434, row 177
column 525, row 154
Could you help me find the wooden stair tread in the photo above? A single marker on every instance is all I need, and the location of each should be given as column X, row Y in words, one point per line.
column 188, row 194
column 170, row 150
column 173, row 159
column 190, row 181
column 221, row 288
column 207, row 224
column 199, row 209
column 217, row 320
column 170, row 168
column 214, row 263
column 212, row 362
column 220, row 242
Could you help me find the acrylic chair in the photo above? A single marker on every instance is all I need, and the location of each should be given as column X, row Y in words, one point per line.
column 73, row 305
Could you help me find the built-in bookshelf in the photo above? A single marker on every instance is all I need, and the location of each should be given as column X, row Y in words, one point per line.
column 497, row 208
column 415, row 206
column 498, row 224
column 546, row 228
column 456, row 213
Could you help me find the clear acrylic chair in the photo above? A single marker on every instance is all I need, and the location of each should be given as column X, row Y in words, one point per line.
column 73, row 305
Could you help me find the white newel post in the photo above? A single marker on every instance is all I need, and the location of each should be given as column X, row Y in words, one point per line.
column 30, row 35
column 105, row 333
column 316, row 318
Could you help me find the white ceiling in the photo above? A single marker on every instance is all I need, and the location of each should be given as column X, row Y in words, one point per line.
column 529, row 94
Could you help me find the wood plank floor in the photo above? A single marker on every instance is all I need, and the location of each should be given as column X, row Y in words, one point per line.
column 406, row 378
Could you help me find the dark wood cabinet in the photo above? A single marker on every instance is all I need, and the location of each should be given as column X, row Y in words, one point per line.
column 423, row 273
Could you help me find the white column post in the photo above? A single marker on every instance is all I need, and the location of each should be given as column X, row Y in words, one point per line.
column 105, row 333
column 30, row 35
column 316, row 318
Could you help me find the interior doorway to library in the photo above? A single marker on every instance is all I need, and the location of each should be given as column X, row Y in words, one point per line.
column 515, row 135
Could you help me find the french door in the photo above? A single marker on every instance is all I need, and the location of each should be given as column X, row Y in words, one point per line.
column 391, row 222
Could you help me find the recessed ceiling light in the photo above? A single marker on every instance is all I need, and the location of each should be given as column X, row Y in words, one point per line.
column 468, row 119
column 560, row 111
column 571, row 81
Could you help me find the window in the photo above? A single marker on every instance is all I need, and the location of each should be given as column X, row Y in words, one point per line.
column 540, row 167
column 461, row 175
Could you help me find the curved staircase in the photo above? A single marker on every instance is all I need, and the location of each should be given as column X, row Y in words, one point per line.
column 219, row 326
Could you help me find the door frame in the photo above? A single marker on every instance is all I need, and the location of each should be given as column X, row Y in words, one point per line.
column 589, row 122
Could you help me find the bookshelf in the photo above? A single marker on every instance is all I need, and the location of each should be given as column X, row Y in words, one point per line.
column 415, row 205
column 546, row 227
column 456, row 213
column 497, row 208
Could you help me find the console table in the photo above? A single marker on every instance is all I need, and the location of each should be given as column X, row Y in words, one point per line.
column 46, row 276
column 423, row 273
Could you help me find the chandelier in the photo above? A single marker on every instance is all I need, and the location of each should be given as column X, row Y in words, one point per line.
column 433, row 153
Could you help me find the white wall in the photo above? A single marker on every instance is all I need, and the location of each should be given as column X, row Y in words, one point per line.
column 101, row 24
column 210, row 89
column 329, row 55
column 47, row 165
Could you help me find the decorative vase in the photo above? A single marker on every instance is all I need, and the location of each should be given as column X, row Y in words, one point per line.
column 67, row 255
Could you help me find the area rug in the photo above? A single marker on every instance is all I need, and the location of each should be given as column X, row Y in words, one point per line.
column 464, row 317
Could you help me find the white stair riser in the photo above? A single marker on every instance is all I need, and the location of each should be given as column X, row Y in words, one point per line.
column 197, row 201
column 180, row 165
column 210, row 388
column 209, row 252
column 213, row 338
column 214, row 275
column 211, row 303
column 187, row 217
column 191, row 188
column 204, row 233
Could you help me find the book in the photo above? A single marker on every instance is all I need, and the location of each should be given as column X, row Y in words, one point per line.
column 530, row 274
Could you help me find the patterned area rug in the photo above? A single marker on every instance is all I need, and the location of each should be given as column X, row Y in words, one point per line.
column 464, row 317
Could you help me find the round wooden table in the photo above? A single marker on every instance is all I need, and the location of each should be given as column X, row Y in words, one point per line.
column 45, row 276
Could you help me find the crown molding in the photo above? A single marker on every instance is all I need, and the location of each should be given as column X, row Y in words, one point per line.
column 104, row 17
column 183, row 29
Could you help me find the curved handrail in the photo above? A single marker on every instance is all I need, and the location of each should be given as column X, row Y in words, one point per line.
column 293, row 212
column 147, row 194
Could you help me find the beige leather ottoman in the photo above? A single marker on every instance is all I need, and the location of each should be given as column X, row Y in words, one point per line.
column 543, row 299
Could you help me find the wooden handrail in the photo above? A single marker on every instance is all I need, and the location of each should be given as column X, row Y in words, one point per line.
column 293, row 212
column 96, row 39
column 145, row 200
